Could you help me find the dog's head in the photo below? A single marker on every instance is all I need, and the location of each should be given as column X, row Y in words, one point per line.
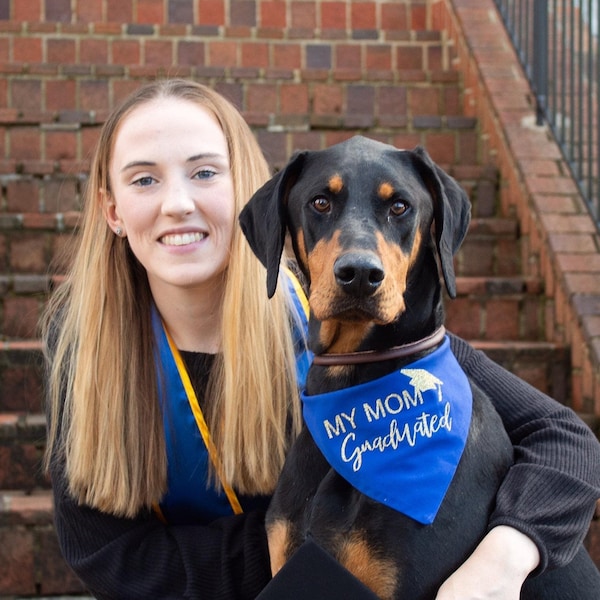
column 358, row 213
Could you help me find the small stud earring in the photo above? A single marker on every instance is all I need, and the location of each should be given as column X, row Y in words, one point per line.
column 119, row 231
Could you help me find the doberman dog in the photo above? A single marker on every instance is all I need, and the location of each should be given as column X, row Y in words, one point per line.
column 372, row 227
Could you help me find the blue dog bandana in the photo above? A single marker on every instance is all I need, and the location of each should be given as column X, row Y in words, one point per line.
column 398, row 439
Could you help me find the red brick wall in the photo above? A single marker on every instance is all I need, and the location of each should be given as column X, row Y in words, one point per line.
column 305, row 74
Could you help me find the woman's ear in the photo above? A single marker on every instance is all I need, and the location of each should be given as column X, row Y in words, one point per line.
column 111, row 212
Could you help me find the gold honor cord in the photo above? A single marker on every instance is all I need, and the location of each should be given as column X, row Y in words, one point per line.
column 299, row 291
column 202, row 426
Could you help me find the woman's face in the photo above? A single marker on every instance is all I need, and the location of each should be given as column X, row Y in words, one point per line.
column 171, row 193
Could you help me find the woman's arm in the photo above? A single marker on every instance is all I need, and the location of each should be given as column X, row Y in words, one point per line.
column 141, row 558
column 550, row 492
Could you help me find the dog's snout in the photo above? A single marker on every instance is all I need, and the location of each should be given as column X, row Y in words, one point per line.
column 358, row 274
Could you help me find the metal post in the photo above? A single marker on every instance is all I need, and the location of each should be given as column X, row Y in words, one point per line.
column 540, row 57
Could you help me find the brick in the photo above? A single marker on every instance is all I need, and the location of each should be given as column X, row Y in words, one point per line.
column 150, row 11
column 191, row 53
column 378, row 57
column 26, row 95
column 20, row 318
column 20, row 466
column 180, row 11
column 261, row 98
column 27, row 253
column 58, row 10
column 294, row 99
column 25, row 143
column 273, row 14
column 211, row 12
column 94, row 94
column 89, row 11
column 318, row 56
column 119, row 11
column 158, row 53
column 394, row 16
column 60, row 51
column 93, row 51
column 16, row 554
column 22, row 195
column 60, row 144
column 333, row 15
column 327, row 99
column 303, row 15
column 423, row 101
column 56, row 576
column 363, row 15
column 60, row 95
column 287, row 56
column 27, row 11
column 126, row 52
column 392, row 100
column 274, row 148
column 360, row 99
column 242, row 12
column 27, row 49
column 348, row 56
column 418, row 17
column 222, row 54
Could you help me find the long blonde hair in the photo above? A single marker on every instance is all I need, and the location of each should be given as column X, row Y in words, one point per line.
column 105, row 420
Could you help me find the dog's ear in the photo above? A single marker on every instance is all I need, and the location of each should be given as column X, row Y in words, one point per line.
column 263, row 218
column 451, row 213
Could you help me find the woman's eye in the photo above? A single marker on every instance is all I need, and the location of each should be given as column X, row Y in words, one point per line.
column 204, row 174
column 398, row 208
column 321, row 204
column 144, row 181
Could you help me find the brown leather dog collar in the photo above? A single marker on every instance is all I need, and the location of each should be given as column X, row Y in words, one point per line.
column 369, row 356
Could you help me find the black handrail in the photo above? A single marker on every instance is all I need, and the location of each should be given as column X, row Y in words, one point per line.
column 557, row 42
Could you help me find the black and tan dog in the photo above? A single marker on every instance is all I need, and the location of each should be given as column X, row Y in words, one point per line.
column 372, row 227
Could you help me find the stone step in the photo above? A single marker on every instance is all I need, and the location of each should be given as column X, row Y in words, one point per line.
column 544, row 365
column 22, row 442
column 21, row 376
column 29, row 554
column 490, row 248
column 22, row 434
column 497, row 308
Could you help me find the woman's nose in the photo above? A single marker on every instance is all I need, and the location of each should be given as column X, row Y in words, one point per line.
column 177, row 198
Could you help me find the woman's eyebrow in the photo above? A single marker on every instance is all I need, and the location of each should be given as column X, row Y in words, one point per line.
column 203, row 156
column 138, row 163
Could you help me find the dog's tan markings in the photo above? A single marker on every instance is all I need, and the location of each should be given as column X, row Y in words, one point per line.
column 278, row 537
column 385, row 191
column 378, row 574
column 396, row 265
column 335, row 184
column 337, row 336
column 302, row 257
column 323, row 288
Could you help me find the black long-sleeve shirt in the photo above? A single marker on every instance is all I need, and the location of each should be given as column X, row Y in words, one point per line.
column 549, row 494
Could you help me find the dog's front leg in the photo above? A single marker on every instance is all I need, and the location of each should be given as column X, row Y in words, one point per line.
column 286, row 518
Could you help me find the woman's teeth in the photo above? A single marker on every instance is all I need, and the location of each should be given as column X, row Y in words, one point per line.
column 182, row 239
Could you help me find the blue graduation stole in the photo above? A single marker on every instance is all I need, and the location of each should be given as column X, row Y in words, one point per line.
column 398, row 439
column 190, row 498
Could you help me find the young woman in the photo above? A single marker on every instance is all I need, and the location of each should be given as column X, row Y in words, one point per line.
column 173, row 380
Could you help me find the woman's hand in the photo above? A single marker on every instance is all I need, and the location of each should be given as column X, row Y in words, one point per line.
column 496, row 569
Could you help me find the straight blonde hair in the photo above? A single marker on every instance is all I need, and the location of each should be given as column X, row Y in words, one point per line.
column 105, row 421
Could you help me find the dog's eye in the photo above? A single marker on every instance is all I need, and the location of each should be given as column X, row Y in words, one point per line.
column 321, row 204
column 398, row 208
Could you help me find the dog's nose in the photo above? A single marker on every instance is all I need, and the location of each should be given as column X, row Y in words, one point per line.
column 358, row 274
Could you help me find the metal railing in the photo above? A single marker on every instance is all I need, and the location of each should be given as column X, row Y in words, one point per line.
column 558, row 46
